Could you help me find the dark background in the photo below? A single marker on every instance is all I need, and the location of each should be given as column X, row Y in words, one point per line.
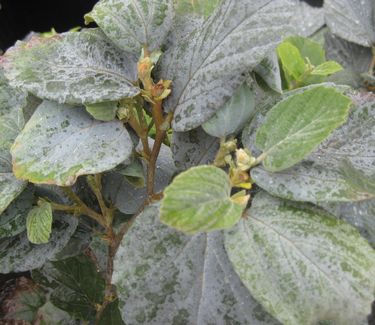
column 19, row 17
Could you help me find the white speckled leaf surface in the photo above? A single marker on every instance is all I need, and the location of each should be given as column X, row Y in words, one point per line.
column 175, row 279
column 74, row 68
column 302, row 264
column 60, row 142
column 131, row 24
column 207, row 66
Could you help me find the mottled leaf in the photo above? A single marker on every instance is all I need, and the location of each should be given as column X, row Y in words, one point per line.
column 308, row 181
column 269, row 71
column 351, row 20
column 307, row 19
column 74, row 68
column 13, row 219
column 129, row 198
column 298, row 124
column 171, row 278
column 193, row 148
column 358, row 179
column 200, row 7
column 132, row 24
column 303, row 265
column 103, row 111
column 39, row 223
column 51, row 315
column 207, row 66
column 60, row 143
column 134, row 172
column 17, row 254
column 10, row 188
column 232, row 117
column 199, row 200
column 354, row 58
column 77, row 286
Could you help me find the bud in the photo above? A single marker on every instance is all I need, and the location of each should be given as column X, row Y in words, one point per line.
column 161, row 90
column 241, row 199
column 244, row 159
column 145, row 67
column 240, row 178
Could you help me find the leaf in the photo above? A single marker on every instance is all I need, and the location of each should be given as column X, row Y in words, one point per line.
column 111, row 315
column 200, row 7
column 171, row 278
column 326, row 68
column 60, row 143
column 103, row 111
column 292, row 61
column 17, row 254
column 309, row 181
column 232, row 117
column 298, row 124
column 351, row 20
column 307, row 19
column 269, row 71
column 206, row 67
column 10, row 188
column 193, row 148
column 51, row 315
column 13, row 219
column 354, row 58
column 358, row 179
column 199, row 200
column 308, row 49
column 129, row 198
column 39, row 223
column 301, row 264
column 76, row 285
column 134, row 172
column 74, row 68
column 134, row 24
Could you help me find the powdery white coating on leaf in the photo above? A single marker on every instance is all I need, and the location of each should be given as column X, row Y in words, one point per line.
column 132, row 24
column 199, row 200
column 10, row 188
column 303, row 265
column 193, row 148
column 307, row 19
column 351, row 20
column 232, row 117
column 128, row 198
column 207, row 66
column 171, row 278
column 309, row 182
column 17, row 254
column 74, row 68
column 60, row 143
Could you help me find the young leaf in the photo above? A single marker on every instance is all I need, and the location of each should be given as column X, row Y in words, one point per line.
column 231, row 118
column 309, row 181
column 199, row 200
column 326, row 68
column 207, row 66
column 134, row 24
column 298, row 124
column 74, row 68
column 103, row 111
column 171, row 278
column 77, row 287
column 308, row 49
column 351, row 20
column 13, row 219
column 17, row 254
column 60, row 143
column 39, row 223
column 292, row 62
column 193, row 148
column 301, row 264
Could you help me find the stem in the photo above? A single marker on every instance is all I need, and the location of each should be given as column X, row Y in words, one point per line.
column 259, row 159
column 372, row 64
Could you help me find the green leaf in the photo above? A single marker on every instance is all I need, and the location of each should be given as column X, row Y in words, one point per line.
column 358, row 179
column 39, row 223
column 74, row 68
column 326, row 68
column 298, row 124
column 193, row 148
column 51, row 315
column 301, row 264
column 199, row 200
column 103, row 111
column 127, row 197
column 13, row 219
column 134, row 24
column 309, row 181
column 111, row 315
column 60, row 143
column 171, row 278
column 351, row 20
column 205, row 73
column 292, row 62
column 308, row 49
column 17, row 254
column 231, row 118
column 200, row 7
column 76, row 285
